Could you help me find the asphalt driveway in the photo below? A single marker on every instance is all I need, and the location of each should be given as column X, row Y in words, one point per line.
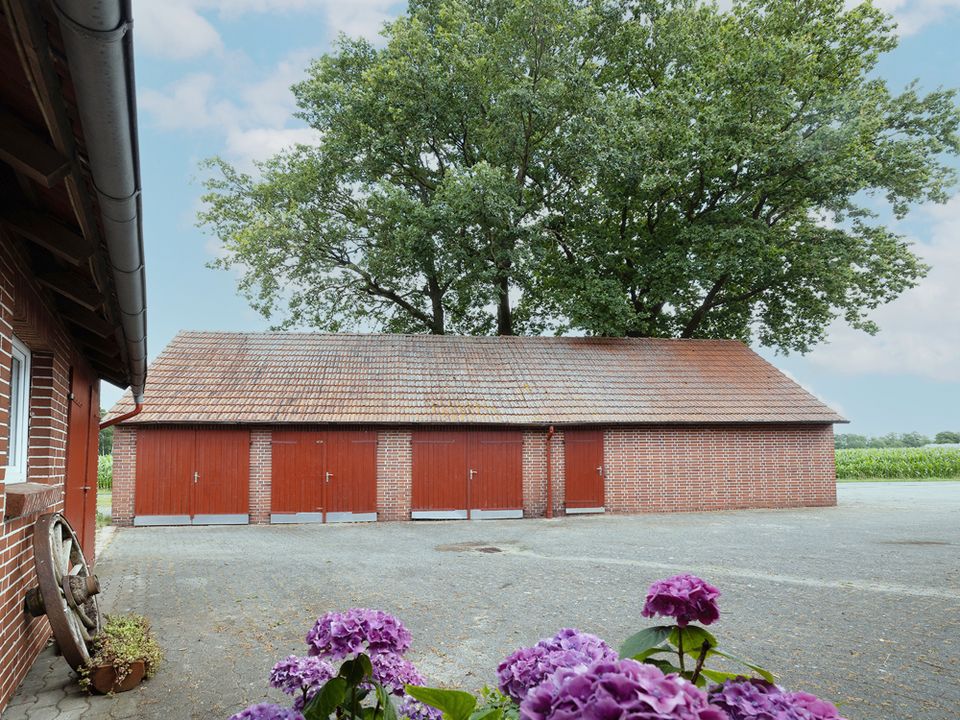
column 859, row 603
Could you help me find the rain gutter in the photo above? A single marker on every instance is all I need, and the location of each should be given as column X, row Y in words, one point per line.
column 99, row 46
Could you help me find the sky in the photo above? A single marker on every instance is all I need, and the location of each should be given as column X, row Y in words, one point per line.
column 213, row 78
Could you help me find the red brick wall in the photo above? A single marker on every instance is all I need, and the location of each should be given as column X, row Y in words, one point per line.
column 26, row 313
column 124, row 474
column 647, row 468
column 260, row 474
column 666, row 469
column 394, row 474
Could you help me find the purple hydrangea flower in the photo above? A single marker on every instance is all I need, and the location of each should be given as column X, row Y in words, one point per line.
column 617, row 689
column 753, row 699
column 338, row 635
column 394, row 672
column 295, row 675
column 527, row 667
column 416, row 710
column 685, row 597
column 267, row 711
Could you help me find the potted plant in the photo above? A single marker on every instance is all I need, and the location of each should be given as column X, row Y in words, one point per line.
column 123, row 654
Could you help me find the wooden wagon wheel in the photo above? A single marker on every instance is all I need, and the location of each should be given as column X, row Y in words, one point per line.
column 67, row 591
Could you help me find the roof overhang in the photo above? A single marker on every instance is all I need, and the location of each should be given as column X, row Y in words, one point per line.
column 69, row 172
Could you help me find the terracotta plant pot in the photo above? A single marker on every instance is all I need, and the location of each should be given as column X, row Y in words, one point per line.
column 104, row 678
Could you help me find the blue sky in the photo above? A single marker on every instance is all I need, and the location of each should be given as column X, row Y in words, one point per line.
column 213, row 78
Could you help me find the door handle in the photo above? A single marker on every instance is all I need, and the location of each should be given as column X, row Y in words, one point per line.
column 85, row 488
column 327, row 476
column 472, row 473
column 196, row 476
column 600, row 470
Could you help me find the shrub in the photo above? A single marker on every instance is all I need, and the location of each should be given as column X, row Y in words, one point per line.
column 105, row 472
column 898, row 463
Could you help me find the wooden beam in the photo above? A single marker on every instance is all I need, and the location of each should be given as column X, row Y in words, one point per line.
column 89, row 321
column 48, row 233
column 29, row 154
column 73, row 288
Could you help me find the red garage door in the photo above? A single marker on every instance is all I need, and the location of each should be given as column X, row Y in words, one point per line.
column 324, row 476
column 459, row 474
column 583, row 469
column 192, row 476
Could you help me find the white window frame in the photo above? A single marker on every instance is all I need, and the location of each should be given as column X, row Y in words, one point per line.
column 16, row 471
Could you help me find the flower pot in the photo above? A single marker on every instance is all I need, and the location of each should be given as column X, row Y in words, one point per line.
column 105, row 679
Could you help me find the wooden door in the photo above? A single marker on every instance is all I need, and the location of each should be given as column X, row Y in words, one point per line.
column 192, row 476
column 439, row 474
column 297, row 480
column 165, row 467
column 496, row 471
column 583, row 462
column 221, row 480
column 80, row 487
column 350, row 474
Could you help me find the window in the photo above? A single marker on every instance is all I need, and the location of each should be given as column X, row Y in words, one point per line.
column 19, row 413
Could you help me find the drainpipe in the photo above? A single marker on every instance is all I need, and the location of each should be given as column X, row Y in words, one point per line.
column 550, row 472
column 120, row 418
column 99, row 50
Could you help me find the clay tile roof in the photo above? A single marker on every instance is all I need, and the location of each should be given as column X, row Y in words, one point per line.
column 217, row 377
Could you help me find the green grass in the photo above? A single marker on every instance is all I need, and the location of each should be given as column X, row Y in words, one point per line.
column 896, row 479
column 898, row 464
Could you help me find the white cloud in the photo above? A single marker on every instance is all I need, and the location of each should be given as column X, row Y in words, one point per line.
column 252, row 114
column 174, row 29
column 912, row 15
column 246, row 146
column 180, row 29
column 919, row 331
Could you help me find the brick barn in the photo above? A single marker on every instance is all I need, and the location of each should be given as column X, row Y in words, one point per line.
column 288, row 427
column 72, row 306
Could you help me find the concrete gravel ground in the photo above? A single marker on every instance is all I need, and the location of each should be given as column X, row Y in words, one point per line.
column 858, row 603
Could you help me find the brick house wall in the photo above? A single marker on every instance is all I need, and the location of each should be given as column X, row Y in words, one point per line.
column 647, row 469
column 25, row 313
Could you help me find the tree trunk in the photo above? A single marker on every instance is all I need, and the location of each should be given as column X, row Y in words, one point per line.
column 504, row 313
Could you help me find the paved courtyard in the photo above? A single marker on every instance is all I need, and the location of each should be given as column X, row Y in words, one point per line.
column 859, row 603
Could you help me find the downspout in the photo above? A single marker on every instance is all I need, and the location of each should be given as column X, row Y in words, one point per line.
column 550, row 472
column 120, row 418
column 99, row 50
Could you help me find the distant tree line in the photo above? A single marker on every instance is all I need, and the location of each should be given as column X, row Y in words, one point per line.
column 909, row 439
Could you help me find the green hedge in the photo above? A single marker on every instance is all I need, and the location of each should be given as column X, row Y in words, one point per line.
column 105, row 472
column 898, row 463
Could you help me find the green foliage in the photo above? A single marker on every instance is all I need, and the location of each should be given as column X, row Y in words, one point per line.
column 632, row 167
column 904, row 462
column 105, row 440
column 454, row 704
column 105, row 472
column 947, row 437
column 123, row 641
column 890, row 440
column 353, row 694
column 692, row 642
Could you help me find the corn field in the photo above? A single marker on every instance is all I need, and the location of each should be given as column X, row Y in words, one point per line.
column 105, row 472
column 898, row 463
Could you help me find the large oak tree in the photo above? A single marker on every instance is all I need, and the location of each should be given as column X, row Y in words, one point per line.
column 642, row 167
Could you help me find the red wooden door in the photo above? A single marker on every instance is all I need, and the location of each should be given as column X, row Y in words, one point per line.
column 496, row 470
column 439, row 471
column 350, row 471
column 297, row 472
column 190, row 475
column 165, row 467
column 221, row 480
column 80, row 488
column 583, row 462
